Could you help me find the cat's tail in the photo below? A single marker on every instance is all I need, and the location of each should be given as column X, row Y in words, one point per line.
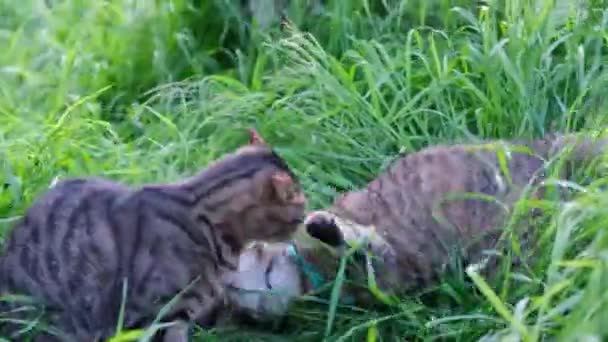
column 575, row 150
column 580, row 147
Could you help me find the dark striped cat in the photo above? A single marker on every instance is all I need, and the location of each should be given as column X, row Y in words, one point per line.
column 76, row 244
column 410, row 222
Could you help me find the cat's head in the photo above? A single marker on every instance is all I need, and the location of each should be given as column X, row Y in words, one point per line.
column 265, row 283
column 261, row 197
column 271, row 276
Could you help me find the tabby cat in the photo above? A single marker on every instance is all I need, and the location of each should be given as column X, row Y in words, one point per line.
column 408, row 220
column 76, row 244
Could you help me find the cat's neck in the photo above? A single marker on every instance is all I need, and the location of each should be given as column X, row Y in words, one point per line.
column 223, row 192
column 222, row 209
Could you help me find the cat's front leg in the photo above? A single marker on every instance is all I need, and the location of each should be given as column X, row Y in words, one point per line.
column 201, row 305
column 202, row 313
column 378, row 255
column 340, row 232
column 204, row 305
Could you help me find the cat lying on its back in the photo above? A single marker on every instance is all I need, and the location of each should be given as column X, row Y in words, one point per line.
column 409, row 220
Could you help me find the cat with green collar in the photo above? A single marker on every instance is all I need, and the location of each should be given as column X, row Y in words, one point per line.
column 409, row 221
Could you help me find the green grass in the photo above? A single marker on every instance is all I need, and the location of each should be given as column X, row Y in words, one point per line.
column 144, row 91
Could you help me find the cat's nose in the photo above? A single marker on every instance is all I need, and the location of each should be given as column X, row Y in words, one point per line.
column 312, row 216
column 298, row 220
column 300, row 199
column 258, row 248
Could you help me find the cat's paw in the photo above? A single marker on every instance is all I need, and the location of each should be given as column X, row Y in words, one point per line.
column 338, row 232
column 322, row 225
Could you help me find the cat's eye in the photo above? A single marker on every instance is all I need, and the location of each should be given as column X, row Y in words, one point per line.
column 291, row 193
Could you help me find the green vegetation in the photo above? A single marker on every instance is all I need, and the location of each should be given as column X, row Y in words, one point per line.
column 144, row 91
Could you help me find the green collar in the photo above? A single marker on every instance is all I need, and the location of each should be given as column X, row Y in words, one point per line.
column 315, row 278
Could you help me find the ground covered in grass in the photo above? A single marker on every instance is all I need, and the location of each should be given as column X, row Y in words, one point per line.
column 143, row 91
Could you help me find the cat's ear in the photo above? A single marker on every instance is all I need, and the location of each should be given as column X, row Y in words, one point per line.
column 255, row 138
column 322, row 226
column 285, row 187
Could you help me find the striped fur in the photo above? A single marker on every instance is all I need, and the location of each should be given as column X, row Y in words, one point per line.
column 401, row 215
column 77, row 243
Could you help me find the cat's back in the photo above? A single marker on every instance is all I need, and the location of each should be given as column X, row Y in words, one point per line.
column 53, row 209
column 436, row 173
column 68, row 192
column 62, row 238
column 430, row 201
column 446, row 167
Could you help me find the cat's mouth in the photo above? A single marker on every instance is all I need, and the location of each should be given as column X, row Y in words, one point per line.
column 267, row 273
